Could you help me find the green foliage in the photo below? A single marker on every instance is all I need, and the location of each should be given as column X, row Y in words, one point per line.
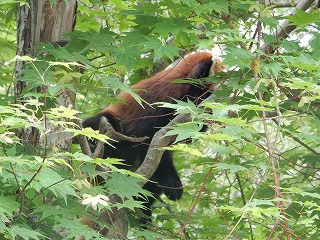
column 252, row 175
column 41, row 192
column 304, row 19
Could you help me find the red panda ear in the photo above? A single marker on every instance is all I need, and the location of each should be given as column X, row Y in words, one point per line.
column 201, row 69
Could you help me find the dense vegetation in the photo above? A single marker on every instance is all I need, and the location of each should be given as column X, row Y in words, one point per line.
column 253, row 175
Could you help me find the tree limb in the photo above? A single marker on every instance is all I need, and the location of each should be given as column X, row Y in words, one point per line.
column 155, row 151
column 106, row 128
column 287, row 27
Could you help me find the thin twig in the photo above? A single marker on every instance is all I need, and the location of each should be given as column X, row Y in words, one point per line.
column 186, row 234
column 249, row 201
column 244, row 202
column 220, row 212
column 196, row 201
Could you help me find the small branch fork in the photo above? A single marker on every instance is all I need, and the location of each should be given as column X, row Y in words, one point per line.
column 104, row 128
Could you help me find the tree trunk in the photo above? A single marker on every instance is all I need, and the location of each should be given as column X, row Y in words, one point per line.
column 38, row 21
column 41, row 22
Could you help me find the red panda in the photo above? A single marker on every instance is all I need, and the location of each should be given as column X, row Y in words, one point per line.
column 132, row 119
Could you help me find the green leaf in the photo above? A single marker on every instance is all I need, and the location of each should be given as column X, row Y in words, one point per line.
column 315, row 42
column 130, row 204
column 306, row 66
column 170, row 26
column 116, row 84
column 146, row 234
column 304, row 193
column 8, row 206
column 130, row 58
column 91, row 134
column 166, row 50
column 54, row 182
column 77, row 229
column 297, row 83
column 237, row 132
column 160, row 50
column 183, row 107
column 186, row 149
column 62, row 112
column 220, row 110
column 126, row 187
column 185, row 130
column 24, row 233
column 302, row 18
column 220, row 137
column 233, row 168
column 274, row 67
column 45, row 210
column 220, row 149
column 99, row 41
column 231, row 121
column 251, row 149
column 238, row 57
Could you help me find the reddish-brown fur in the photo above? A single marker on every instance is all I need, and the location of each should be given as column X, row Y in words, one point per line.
column 158, row 88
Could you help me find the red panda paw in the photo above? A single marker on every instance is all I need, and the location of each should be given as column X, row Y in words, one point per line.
column 172, row 188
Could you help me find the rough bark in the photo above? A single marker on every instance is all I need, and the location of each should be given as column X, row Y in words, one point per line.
column 38, row 21
column 117, row 220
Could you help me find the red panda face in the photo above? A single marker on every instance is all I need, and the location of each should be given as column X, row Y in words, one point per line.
column 217, row 66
